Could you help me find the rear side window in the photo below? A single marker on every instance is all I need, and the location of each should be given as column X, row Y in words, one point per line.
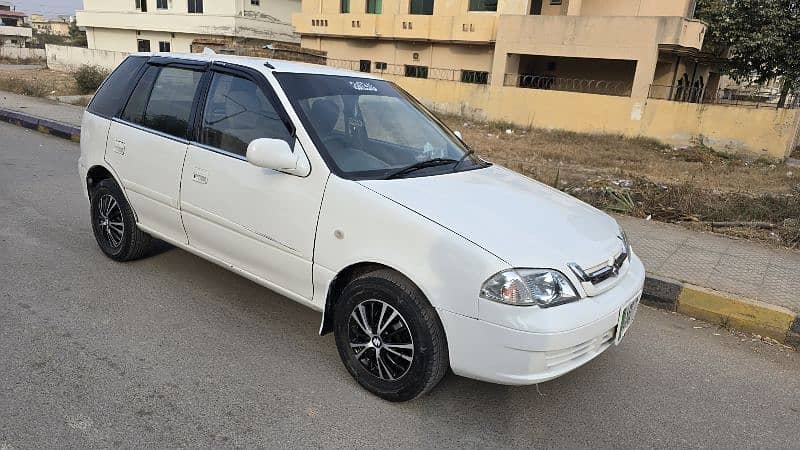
column 163, row 100
column 111, row 96
column 134, row 110
column 237, row 112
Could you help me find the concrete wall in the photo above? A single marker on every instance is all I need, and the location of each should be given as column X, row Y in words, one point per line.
column 763, row 131
column 22, row 53
column 67, row 59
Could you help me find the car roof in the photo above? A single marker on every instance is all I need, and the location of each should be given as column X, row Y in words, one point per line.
column 277, row 65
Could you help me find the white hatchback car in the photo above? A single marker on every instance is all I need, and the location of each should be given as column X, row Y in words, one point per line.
column 342, row 192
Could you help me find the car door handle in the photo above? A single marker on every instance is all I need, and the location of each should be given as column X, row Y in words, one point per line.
column 200, row 176
column 119, row 147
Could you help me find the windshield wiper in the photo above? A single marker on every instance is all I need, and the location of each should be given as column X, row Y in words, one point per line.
column 421, row 165
column 469, row 153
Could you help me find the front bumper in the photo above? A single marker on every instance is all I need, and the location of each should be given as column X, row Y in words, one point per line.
column 489, row 351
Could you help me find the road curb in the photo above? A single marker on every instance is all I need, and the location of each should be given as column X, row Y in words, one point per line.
column 728, row 310
column 51, row 127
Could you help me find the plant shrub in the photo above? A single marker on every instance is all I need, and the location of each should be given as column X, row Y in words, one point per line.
column 89, row 78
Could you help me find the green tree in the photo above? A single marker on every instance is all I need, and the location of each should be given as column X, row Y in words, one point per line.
column 76, row 36
column 761, row 38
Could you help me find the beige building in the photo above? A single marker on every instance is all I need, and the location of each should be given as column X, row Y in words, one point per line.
column 172, row 25
column 635, row 48
column 13, row 32
column 56, row 27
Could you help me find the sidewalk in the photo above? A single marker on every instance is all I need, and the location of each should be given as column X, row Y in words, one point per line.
column 722, row 274
column 48, row 116
column 749, row 269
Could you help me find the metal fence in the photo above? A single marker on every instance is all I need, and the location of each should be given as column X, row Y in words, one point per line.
column 604, row 87
column 748, row 98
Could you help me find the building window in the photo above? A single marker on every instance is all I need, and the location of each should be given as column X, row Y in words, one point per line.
column 417, row 71
column 380, row 66
column 196, row 6
column 161, row 4
column 143, row 45
column 255, row 2
column 483, row 5
column 344, row 6
column 365, row 65
column 163, row 46
column 141, row 5
column 374, row 6
column 555, row 2
column 421, row 7
column 474, row 76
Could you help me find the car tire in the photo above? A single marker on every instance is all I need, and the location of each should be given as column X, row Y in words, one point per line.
column 114, row 224
column 389, row 336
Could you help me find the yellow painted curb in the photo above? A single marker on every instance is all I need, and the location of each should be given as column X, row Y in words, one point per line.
column 735, row 312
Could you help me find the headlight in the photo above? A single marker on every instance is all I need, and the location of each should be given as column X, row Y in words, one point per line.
column 529, row 287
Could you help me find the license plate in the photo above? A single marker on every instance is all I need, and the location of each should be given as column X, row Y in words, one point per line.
column 626, row 315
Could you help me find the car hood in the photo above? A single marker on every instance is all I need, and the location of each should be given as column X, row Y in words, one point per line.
column 522, row 221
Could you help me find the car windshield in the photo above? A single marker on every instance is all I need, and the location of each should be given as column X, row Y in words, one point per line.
column 371, row 129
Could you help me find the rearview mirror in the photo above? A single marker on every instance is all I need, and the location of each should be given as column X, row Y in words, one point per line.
column 276, row 154
column 458, row 135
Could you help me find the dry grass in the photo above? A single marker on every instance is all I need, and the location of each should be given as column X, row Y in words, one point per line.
column 693, row 185
column 37, row 82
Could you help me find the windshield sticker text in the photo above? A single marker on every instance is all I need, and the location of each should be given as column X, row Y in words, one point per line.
column 363, row 86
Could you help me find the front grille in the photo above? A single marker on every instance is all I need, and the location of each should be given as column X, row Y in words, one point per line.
column 568, row 356
column 606, row 272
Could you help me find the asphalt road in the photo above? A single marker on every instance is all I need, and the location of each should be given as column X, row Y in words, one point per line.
column 175, row 351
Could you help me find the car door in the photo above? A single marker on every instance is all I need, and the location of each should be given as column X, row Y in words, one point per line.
column 258, row 220
column 147, row 145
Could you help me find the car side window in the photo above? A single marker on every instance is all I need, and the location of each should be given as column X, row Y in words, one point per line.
column 171, row 99
column 237, row 112
column 162, row 100
column 134, row 110
column 112, row 94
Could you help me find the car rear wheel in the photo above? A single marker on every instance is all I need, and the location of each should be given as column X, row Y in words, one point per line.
column 389, row 337
column 114, row 224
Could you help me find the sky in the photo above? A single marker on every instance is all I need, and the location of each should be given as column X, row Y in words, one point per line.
column 50, row 8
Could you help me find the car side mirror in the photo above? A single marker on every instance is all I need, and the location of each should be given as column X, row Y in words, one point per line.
column 276, row 154
column 458, row 135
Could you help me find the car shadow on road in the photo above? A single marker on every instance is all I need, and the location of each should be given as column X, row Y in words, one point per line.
column 159, row 247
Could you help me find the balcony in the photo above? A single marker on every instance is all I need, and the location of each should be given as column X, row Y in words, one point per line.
column 593, row 36
column 15, row 31
column 182, row 22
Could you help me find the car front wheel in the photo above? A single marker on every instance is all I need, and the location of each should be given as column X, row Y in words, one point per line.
column 389, row 337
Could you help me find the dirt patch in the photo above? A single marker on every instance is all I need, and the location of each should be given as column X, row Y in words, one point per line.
column 37, row 82
column 691, row 185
